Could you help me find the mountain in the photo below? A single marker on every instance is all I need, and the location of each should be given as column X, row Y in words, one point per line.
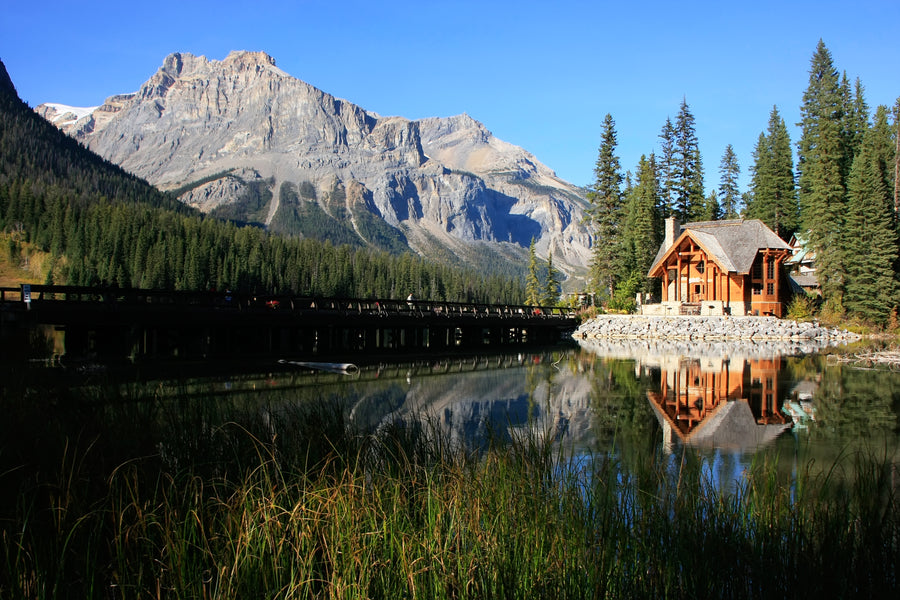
column 241, row 139
column 71, row 217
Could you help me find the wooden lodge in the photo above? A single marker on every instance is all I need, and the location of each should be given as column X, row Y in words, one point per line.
column 733, row 267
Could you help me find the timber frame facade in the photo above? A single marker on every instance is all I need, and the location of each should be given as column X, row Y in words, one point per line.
column 733, row 267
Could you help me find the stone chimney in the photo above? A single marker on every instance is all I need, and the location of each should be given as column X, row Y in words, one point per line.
column 673, row 230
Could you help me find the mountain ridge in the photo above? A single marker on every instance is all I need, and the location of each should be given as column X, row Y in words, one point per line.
column 443, row 185
column 72, row 217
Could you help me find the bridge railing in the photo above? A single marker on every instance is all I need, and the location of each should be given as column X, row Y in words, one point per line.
column 228, row 300
column 10, row 294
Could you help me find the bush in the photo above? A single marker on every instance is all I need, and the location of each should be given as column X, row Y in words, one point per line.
column 801, row 308
column 623, row 298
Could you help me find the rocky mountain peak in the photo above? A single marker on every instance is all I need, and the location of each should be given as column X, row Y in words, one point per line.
column 444, row 186
column 249, row 58
column 185, row 64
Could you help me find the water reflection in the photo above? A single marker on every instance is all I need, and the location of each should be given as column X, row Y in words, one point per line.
column 478, row 400
column 722, row 403
column 732, row 396
column 728, row 400
column 734, row 405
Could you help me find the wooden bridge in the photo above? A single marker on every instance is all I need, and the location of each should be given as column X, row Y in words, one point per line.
column 139, row 324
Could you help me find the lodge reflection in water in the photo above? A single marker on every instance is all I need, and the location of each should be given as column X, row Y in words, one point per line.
column 727, row 402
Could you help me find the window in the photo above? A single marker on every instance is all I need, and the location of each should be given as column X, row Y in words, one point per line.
column 757, row 270
column 757, row 289
column 698, row 289
column 770, row 269
column 770, row 288
column 701, row 267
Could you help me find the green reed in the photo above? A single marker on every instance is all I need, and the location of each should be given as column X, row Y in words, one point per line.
column 229, row 499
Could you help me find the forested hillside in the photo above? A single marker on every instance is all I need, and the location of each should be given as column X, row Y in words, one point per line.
column 99, row 225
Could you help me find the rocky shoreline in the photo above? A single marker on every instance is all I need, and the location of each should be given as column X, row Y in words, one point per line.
column 707, row 328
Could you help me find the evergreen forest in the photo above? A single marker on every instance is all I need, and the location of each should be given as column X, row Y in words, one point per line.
column 95, row 224
column 836, row 189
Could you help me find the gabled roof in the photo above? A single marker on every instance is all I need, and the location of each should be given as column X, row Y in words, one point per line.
column 733, row 244
column 730, row 425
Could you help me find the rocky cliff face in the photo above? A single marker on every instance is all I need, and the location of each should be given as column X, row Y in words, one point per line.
column 243, row 139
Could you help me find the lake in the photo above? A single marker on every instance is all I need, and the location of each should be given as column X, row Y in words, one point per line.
column 726, row 402
column 544, row 473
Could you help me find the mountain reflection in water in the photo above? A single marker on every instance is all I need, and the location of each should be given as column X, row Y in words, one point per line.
column 712, row 395
column 478, row 400
column 729, row 396
column 621, row 397
column 718, row 397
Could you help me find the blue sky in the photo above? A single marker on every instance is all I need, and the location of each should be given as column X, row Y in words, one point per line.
column 541, row 75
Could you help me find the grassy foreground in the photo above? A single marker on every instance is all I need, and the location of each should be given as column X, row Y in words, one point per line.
column 196, row 499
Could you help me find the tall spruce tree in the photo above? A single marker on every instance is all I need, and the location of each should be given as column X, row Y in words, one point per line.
column 773, row 190
column 857, row 119
column 755, row 201
column 688, row 171
column 532, row 279
column 897, row 158
column 729, row 194
column 644, row 221
column 605, row 211
column 711, row 209
column 551, row 284
column 871, row 284
column 821, row 166
column 884, row 149
column 666, row 169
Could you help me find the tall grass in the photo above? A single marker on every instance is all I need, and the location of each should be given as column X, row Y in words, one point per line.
column 293, row 502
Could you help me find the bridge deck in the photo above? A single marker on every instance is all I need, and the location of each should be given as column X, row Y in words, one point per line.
column 154, row 323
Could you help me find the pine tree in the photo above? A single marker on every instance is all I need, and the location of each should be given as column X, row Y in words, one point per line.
column 784, row 188
column 729, row 194
column 883, row 146
column 605, row 212
column 644, row 221
column 822, row 156
column 857, row 119
column 688, row 168
column 897, row 159
column 871, row 285
column 532, row 280
column 666, row 169
column 696, row 186
column 773, row 191
column 711, row 209
column 551, row 285
column 756, row 204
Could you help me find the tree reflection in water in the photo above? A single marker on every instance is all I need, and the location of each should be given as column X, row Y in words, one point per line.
column 736, row 404
column 726, row 403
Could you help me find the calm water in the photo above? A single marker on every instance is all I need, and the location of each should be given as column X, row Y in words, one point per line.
column 731, row 404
